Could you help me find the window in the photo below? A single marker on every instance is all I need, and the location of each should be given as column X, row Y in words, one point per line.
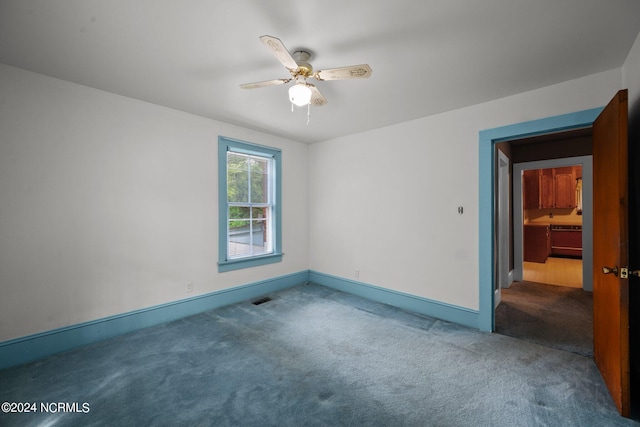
column 249, row 204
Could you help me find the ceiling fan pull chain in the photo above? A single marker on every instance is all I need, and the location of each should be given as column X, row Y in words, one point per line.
column 308, row 112
column 292, row 107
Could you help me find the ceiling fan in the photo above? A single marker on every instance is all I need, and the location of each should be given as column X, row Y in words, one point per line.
column 303, row 93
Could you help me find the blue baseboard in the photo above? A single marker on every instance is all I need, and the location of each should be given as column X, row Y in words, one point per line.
column 33, row 347
column 439, row 310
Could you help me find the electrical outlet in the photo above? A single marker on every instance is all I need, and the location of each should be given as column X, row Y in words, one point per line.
column 357, row 273
column 189, row 287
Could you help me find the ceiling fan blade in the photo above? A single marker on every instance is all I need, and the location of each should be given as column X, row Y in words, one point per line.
column 361, row 71
column 316, row 97
column 264, row 83
column 280, row 52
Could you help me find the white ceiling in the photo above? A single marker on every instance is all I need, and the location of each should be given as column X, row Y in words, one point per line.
column 428, row 56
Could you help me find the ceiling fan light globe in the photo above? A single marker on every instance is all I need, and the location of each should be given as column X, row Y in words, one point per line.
column 300, row 94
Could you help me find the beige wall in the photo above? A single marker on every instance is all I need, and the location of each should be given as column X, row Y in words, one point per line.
column 385, row 202
column 109, row 204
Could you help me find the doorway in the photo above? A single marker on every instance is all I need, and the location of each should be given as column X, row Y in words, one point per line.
column 586, row 214
column 553, row 208
column 548, row 312
column 488, row 139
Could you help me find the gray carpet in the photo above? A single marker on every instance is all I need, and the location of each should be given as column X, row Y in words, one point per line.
column 313, row 356
column 554, row 316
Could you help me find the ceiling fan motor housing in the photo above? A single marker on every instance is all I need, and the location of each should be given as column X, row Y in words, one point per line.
column 302, row 57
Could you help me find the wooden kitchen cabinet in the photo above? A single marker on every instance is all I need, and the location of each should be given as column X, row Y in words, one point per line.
column 550, row 188
column 531, row 189
column 537, row 243
column 547, row 193
column 537, row 187
column 565, row 187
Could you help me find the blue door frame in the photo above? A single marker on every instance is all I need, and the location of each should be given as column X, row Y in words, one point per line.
column 487, row 169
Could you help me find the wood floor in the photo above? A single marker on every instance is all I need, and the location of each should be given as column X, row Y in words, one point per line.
column 556, row 271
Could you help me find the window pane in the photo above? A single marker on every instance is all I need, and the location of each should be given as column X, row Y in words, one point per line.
column 259, row 180
column 237, row 162
column 239, row 212
column 237, row 188
column 259, row 237
column 239, row 238
column 237, row 178
column 238, row 226
column 248, row 238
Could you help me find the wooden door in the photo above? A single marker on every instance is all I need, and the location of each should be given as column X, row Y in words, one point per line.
column 610, row 243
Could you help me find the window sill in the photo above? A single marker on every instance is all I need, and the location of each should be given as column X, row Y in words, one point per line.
column 239, row 263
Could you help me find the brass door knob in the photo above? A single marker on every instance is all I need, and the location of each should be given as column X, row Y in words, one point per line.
column 609, row 270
